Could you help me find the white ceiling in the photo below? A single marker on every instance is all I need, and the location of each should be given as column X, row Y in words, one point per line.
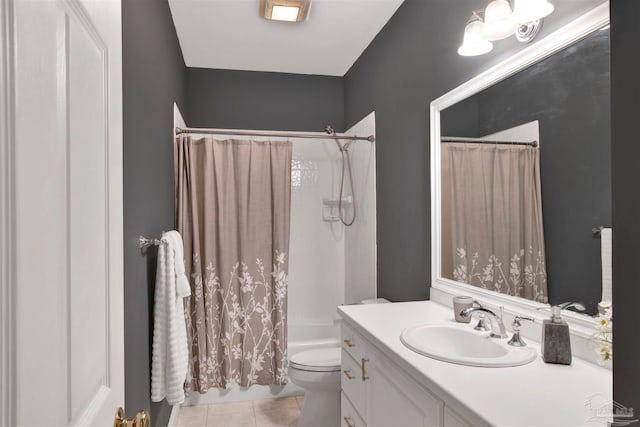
column 230, row 34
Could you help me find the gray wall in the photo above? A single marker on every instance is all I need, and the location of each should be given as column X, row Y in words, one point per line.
column 153, row 78
column 412, row 61
column 261, row 100
column 625, row 152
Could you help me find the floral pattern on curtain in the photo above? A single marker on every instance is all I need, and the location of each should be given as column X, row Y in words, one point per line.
column 509, row 279
column 233, row 210
column 492, row 218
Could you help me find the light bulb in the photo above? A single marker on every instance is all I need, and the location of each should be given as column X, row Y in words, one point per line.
column 473, row 43
column 285, row 13
column 531, row 10
column 498, row 23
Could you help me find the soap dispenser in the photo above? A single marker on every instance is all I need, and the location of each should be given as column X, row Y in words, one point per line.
column 556, row 340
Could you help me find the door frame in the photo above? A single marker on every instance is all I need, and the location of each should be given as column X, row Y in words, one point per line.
column 7, row 219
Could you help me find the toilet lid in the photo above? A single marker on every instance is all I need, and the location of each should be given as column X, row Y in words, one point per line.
column 318, row 360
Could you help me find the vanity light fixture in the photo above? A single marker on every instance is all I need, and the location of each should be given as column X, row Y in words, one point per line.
column 531, row 10
column 500, row 21
column 473, row 44
column 285, row 10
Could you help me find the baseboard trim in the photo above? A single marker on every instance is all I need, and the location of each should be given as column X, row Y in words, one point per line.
column 173, row 418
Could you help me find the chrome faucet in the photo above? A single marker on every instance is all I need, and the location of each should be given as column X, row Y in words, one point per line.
column 497, row 327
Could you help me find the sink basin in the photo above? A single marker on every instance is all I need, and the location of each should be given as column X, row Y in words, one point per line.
column 462, row 345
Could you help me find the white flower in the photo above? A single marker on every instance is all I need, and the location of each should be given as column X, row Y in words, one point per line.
column 604, row 336
column 460, row 273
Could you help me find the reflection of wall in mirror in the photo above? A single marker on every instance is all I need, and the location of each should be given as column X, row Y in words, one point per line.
column 525, row 132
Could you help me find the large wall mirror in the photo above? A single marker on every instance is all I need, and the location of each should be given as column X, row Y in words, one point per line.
column 521, row 174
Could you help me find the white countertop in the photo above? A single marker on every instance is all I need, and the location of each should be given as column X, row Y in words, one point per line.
column 536, row 394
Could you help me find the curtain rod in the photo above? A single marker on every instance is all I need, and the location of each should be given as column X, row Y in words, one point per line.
column 312, row 135
column 487, row 141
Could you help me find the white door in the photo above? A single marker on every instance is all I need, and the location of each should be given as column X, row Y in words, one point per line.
column 62, row 211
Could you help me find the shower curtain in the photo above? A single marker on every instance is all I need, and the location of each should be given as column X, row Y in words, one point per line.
column 495, row 217
column 233, row 210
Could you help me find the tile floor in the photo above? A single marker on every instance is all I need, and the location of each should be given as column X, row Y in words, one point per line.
column 280, row 412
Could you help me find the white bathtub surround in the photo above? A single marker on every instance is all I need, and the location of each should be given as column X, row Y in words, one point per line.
column 326, row 256
column 535, row 394
column 170, row 353
column 317, row 247
column 178, row 119
column 360, row 238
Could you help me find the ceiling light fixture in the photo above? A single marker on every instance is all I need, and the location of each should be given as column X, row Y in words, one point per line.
column 285, row 10
column 473, row 43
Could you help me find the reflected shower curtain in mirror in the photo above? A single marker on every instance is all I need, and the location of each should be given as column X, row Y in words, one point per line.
column 233, row 202
column 492, row 217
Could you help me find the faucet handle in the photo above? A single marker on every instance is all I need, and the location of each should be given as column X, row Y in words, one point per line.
column 577, row 305
column 516, row 340
column 517, row 319
column 482, row 324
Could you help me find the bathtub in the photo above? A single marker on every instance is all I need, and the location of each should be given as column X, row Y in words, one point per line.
column 301, row 337
column 309, row 336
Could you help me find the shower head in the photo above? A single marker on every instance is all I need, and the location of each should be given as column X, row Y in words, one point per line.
column 330, row 131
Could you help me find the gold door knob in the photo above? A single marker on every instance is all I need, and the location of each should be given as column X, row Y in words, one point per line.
column 141, row 419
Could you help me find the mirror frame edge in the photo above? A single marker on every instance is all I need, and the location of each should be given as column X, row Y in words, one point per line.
column 442, row 289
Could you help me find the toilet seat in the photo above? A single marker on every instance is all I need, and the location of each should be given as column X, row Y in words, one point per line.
column 318, row 360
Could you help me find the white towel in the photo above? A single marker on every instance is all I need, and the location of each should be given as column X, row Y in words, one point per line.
column 170, row 355
column 183, row 288
column 607, row 282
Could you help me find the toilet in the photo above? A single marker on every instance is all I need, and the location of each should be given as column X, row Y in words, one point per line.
column 318, row 373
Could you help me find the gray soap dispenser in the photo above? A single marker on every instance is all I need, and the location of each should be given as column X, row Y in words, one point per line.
column 556, row 340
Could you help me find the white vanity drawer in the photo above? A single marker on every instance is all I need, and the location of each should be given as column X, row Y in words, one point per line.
column 352, row 384
column 352, row 343
column 349, row 416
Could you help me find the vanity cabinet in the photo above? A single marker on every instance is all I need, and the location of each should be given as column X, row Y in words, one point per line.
column 377, row 393
column 451, row 419
column 393, row 386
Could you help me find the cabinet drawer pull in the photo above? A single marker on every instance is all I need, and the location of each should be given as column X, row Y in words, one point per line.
column 349, row 422
column 364, row 369
column 348, row 373
column 349, row 343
